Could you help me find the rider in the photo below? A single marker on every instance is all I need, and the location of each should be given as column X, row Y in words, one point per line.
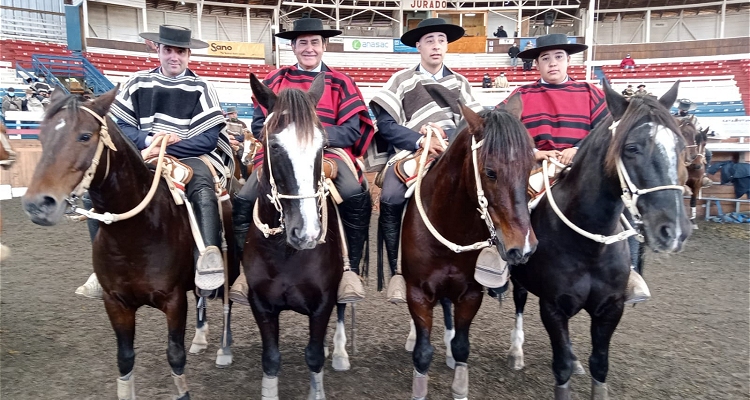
column 559, row 112
column 684, row 106
column 171, row 100
column 414, row 98
column 348, row 126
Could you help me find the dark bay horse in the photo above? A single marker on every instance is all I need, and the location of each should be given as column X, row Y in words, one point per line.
column 146, row 260
column 485, row 167
column 638, row 158
column 695, row 160
column 7, row 158
column 287, row 265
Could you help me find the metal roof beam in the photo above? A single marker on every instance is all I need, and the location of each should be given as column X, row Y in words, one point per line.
column 673, row 7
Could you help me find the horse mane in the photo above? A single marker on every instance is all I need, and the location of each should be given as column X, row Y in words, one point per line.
column 71, row 102
column 504, row 135
column 295, row 106
column 640, row 107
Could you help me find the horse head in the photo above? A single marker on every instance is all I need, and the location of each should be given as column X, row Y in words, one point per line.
column 690, row 134
column 293, row 139
column 646, row 153
column 502, row 167
column 73, row 134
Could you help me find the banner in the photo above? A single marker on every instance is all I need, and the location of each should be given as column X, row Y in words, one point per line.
column 726, row 126
column 236, row 49
column 368, row 45
column 399, row 47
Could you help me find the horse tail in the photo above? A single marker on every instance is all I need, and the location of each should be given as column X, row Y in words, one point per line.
column 380, row 245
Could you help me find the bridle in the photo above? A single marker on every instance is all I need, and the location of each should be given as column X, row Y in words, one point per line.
column 697, row 162
column 275, row 197
column 483, row 211
column 630, row 195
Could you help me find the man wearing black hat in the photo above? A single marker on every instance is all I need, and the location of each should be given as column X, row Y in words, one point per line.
column 11, row 102
column 560, row 112
column 348, row 127
column 171, row 100
column 414, row 98
column 641, row 90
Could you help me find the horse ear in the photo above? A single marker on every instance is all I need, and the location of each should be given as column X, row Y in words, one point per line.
column 472, row 118
column 102, row 103
column 668, row 99
column 318, row 87
column 57, row 95
column 265, row 96
column 615, row 102
column 514, row 105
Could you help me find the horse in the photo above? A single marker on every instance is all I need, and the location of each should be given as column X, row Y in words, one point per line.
column 486, row 168
column 7, row 158
column 633, row 160
column 695, row 160
column 293, row 260
column 140, row 261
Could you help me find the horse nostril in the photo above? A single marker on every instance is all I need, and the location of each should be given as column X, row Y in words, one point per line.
column 666, row 232
column 514, row 255
column 297, row 233
column 48, row 203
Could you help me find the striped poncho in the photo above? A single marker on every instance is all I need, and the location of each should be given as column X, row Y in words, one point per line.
column 187, row 106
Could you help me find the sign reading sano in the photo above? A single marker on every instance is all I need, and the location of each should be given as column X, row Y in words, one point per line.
column 425, row 5
column 236, row 49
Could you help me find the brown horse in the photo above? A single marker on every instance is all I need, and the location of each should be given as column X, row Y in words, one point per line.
column 7, row 158
column 145, row 260
column 494, row 148
column 695, row 160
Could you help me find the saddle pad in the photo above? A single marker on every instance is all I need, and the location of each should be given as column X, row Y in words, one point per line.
column 491, row 270
column 407, row 168
column 179, row 172
column 536, row 183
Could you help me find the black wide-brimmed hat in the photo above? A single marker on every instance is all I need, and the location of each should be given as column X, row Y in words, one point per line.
column 429, row 25
column 641, row 85
column 173, row 35
column 554, row 41
column 685, row 105
column 308, row 26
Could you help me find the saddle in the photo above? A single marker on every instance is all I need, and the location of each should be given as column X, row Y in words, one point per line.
column 536, row 182
column 179, row 172
column 406, row 166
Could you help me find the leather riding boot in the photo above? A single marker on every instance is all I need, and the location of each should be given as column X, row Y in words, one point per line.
column 355, row 214
column 389, row 231
column 242, row 216
column 209, row 274
column 637, row 290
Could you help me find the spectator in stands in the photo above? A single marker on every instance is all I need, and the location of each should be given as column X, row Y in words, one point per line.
column 500, row 32
column 235, row 127
column 513, row 54
column 31, row 102
column 627, row 63
column 40, row 84
column 642, row 91
column 501, row 81
column 348, row 126
column 552, row 102
column 11, row 102
column 424, row 88
column 528, row 62
column 44, row 97
column 172, row 101
column 628, row 92
column 486, row 81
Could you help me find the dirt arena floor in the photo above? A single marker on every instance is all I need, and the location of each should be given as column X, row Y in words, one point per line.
column 689, row 342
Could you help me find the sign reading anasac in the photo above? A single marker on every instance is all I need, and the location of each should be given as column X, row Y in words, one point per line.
column 425, row 5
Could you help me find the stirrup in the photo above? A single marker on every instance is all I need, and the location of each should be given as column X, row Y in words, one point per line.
column 351, row 289
column 91, row 289
column 637, row 291
column 397, row 289
column 239, row 291
column 209, row 269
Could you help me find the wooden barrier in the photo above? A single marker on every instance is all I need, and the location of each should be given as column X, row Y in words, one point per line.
column 476, row 44
column 28, row 153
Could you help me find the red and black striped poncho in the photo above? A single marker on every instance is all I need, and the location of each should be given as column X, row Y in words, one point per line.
column 341, row 101
column 560, row 116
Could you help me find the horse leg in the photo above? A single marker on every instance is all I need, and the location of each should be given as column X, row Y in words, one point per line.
column 411, row 340
column 314, row 354
column 176, row 311
column 466, row 310
column 200, row 340
column 602, row 328
column 224, row 354
column 556, row 325
column 449, row 332
column 693, row 202
column 268, row 324
column 515, row 353
column 122, row 319
column 421, row 312
column 340, row 358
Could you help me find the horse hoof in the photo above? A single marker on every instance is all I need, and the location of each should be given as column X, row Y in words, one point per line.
column 126, row 387
column 515, row 362
column 460, row 386
column 563, row 392
column 185, row 396
column 341, row 363
column 450, row 362
column 695, row 227
column 4, row 252
column 224, row 358
column 198, row 348
column 578, row 368
column 599, row 390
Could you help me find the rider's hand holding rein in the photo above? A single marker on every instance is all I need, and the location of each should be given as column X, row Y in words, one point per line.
column 154, row 151
column 433, row 146
column 566, row 156
column 541, row 155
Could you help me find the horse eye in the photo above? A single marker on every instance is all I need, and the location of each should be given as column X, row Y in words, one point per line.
column 84, row 137
column 632, row 148
column 490, row 174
